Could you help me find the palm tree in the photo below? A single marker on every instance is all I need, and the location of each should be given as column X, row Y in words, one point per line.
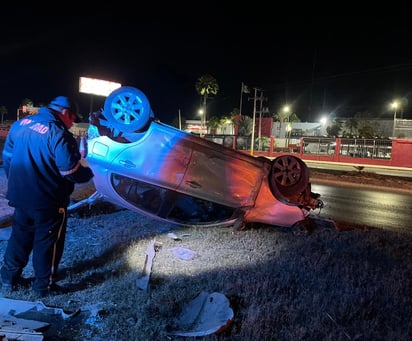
column 206, row 85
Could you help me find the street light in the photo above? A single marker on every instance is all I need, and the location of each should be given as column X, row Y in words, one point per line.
column 201, row 113
column 394, row 106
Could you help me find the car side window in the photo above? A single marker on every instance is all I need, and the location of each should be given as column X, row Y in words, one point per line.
column 169, row 204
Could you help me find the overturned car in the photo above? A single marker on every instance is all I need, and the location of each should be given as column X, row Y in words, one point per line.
column 168, row 174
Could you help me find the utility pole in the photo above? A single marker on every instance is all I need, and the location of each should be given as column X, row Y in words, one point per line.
column 261, row 99
column 204, row 125
column 240, row 105
column 253, row 123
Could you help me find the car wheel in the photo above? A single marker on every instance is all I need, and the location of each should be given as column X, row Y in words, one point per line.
column 128, row 109
column 289, row 176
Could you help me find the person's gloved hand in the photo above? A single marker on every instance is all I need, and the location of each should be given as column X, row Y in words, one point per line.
column 83, row 147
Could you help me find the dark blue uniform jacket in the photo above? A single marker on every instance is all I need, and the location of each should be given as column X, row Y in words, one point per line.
column 41, row 160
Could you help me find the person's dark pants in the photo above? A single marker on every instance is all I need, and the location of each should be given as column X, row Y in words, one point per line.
column 40, row 231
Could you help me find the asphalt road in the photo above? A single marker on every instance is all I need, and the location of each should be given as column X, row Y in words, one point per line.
column 369, row 207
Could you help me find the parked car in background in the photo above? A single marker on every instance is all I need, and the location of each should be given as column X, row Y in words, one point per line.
column 165, row 173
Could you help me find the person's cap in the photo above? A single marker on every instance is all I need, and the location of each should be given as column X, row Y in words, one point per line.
column 63, row 102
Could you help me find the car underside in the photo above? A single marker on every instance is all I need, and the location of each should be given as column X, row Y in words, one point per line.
column 169, row 174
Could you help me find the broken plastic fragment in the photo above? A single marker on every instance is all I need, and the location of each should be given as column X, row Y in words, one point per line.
column 173, row 236
column 15, row 307
column 206, row 314
column 183, row 253
column 143, row 281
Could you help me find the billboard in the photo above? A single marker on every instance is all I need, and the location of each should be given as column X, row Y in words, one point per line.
column 98, row 87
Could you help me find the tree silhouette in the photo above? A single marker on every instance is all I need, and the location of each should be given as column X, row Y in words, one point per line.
column 245, row 126
column 205, row 86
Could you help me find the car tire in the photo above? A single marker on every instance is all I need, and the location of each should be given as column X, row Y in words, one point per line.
column 128, row 110
column 289, row 176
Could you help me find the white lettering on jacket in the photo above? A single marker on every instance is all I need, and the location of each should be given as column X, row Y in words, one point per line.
column 25, row 121
column 40, row 128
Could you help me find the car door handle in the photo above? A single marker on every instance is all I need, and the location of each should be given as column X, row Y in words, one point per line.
column 193, row 184
column 127, row 163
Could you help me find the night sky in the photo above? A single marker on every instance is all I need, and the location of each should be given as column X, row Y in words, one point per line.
column 335, row 65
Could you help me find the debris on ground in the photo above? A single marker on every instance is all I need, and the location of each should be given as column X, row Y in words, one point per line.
column 24, row 320
column 143, row 281
column 176, row 238
column 183, row 253
column 208, row 313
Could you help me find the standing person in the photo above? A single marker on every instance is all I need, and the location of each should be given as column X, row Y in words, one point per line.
column 42, row 163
